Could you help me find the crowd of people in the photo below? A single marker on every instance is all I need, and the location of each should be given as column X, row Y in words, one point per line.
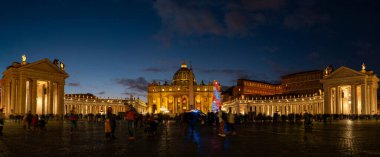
column 223, row 121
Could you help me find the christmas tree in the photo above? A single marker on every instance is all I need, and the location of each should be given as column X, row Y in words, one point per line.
column 216, row 102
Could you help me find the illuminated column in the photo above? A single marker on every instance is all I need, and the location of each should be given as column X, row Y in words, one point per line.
column 7, row 91
column 22, row 96
column 318, row 108
column 175, row 107
column 339, row 100
column 33, row 104
column 364, row 98
column 353, row 99
column 374, row 98
column 13, row 98
column 50, row 97
column 60, row 95
column 327, row 99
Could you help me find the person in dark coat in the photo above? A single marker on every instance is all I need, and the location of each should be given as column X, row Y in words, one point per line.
column 110, row 124
column 2, row 117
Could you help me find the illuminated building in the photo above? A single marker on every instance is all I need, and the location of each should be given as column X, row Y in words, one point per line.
column 1, row 94
column 91, row 104
column 350, row 92
column 345, row 91
column 182, row 94
column 255, row 88
column 307, row 82
column 37, row 87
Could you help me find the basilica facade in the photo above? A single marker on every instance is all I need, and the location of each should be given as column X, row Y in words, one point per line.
column 183, row 93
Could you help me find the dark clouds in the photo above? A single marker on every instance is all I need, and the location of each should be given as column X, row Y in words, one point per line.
column 235, row 73
column 305, row 17
column 161, row 69
column 139, row 84
column 134, row 94
column 255, row 5
column 313, row 55
column 73, row 84
column 232, row 18
column 155, row 69
column 363, row 47
column 102, row 93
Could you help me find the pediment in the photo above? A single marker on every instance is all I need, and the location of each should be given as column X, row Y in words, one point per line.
column 344, row 72
column 44, row 65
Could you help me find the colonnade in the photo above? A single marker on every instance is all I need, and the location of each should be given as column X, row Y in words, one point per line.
column 283, row 105
column 99, row 106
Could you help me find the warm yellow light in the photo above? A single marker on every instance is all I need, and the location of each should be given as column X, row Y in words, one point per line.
column 23, row 57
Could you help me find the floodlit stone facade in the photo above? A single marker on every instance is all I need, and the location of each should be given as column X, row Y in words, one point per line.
column 181, row 95
column 345, row 91
column 37, row 87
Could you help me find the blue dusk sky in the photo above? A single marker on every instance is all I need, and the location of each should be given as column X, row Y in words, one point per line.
column 114, row 48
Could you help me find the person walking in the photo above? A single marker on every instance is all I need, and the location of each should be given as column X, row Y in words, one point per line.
column 29, row 118
column 2, row 118
column 35, row 122
column 221, row 123
column 73, row 118
column 231, row 123
column 130, row 116
column 110, row 124
column 24, row 122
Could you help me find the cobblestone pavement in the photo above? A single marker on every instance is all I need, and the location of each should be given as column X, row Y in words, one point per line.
column 343, row 138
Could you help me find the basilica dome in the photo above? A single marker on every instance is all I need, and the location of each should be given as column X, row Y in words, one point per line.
column 182, row 76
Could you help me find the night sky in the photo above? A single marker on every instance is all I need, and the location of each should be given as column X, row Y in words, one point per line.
column 113, row 48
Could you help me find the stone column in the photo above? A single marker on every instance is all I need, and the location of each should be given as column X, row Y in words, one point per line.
column 353, row 100
column 175, row 107
column 374, row 98
column 364, row 98
column 7, row 91
column 33, row 96
column 50, row 97
column 60, row 96
column 22, row 95
column 13, row 98
column 327, row 99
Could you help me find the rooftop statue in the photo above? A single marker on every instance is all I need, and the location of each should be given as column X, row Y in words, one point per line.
column 23, row 59
column 363, row 67
column 62, row 66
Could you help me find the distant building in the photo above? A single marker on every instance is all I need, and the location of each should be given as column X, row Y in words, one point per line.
column 344, row 91
column 1, row 94
column 182, row 94
column 251, row 88
column 91, row 104
column 307, row 82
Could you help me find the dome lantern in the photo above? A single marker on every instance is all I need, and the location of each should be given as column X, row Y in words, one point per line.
column 184, row 65
column 182, row 76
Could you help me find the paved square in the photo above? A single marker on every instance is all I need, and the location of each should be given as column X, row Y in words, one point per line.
column 341, row 138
